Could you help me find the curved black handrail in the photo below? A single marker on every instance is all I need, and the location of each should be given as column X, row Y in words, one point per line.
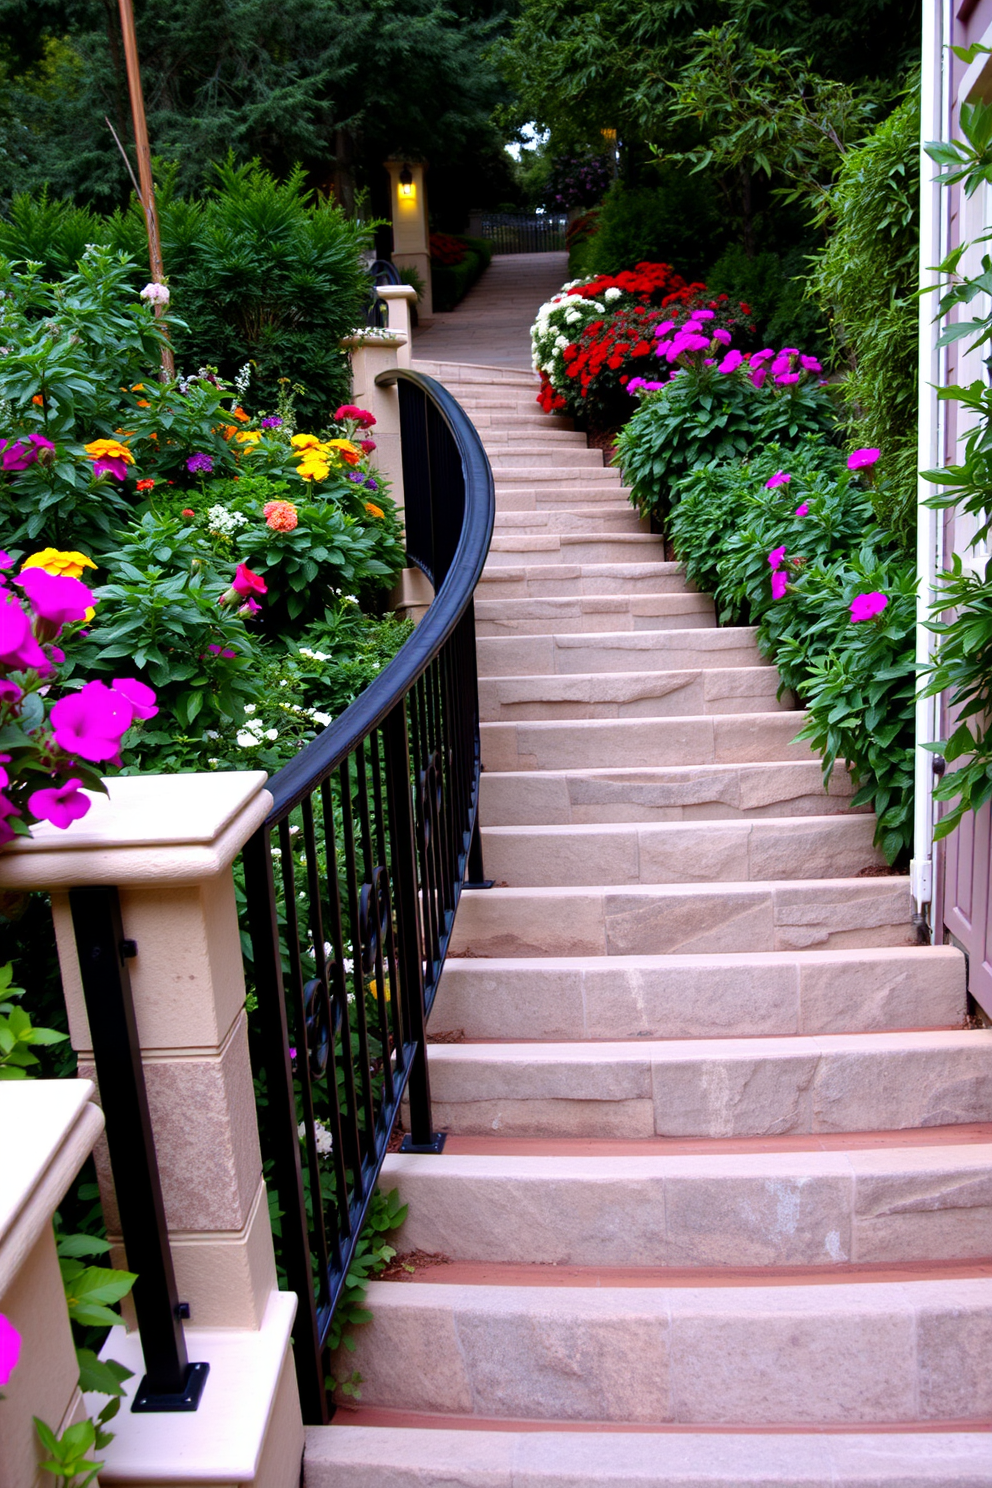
column 323, row 754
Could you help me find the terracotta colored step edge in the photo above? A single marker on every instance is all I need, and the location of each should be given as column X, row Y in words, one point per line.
column 928, row 1136
column 535, row 1273
column 347, row 1414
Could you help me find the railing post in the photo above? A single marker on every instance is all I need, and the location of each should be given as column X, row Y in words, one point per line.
column 422, row 1137
column 171, row 1382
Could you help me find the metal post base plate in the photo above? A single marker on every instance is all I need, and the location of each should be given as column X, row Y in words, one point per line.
column 436, row 1143
column 188, row 1399
column 484, row 883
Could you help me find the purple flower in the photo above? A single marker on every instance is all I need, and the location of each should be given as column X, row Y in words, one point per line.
column 731, row 362
column 54, row 597
column 273, row 422
column 61, row 804
column 200, row 464
column 867, row 606
column 802, row 510
column 10, row 1347
column 223, row 651
column 91, row 723
column 780, row 581
column 6, row 561
column 371, row 485
column 861, row 458
column 17, row 456
column 778, row 479
column 776, row 557
column 780, row 364
column 110, row 465
column 139, row 696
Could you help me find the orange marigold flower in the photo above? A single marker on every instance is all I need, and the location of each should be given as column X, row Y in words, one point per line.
column 39, row 400
column 280, row 516
column 240, row 415
column 229, row 431
column 143, row 403
column 373, row 510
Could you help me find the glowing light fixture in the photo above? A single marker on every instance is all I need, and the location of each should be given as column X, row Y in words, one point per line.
column 406, row 190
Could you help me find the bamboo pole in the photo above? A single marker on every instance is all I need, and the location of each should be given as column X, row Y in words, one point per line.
column 147, row 194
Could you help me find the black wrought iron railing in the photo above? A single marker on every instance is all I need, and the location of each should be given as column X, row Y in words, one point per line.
column 352, row 886
column 381, row 271
column 525, row 232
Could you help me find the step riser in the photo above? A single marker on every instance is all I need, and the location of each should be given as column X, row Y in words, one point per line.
column 680, row 920
column 531, row 582
column 562, row 654
column 611, row 498
column 721, row 852
column 807, row 1085
column 617, row 517
column 841, row 1357
column 682, row 997
column 632, row 695
column 513, row 550
column 642, row 615
column 577, row 798
column 721, row 740
column 806, row 1209
column 559, row 458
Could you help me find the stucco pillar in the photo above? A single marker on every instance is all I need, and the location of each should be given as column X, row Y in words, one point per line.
column 411, row 226
column 49, row 1129
column 167, row 842
column 399, row 300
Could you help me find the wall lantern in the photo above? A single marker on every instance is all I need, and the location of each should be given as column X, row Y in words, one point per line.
column 406, row 190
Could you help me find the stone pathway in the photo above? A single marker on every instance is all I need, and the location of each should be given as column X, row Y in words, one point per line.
column 717, row 1190
column 492, row 324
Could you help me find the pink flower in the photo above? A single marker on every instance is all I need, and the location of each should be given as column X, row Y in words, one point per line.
column 245, row 582
column 761, row 356
column 18, row 647
column 223, row 651
column 731, row 362
column 664, row 328
column 6, row 561
column 91, row 723
column 703, row 314
column 786, row 377
column 10, row 1349
column 17, row 456
column 810, row 364
column 776, row 557
column 9, row 691
column 758, row 375
column 780, row 580
column 803, row 510
column 366, row 446
column 250, row 607
column 724, row 337
column 61, row 804
column 780, row 364
column 7, row 834
column 861, row 458
column 155, row 293
column 53, row 597
column 778, row 479
column 139, row 696
column 867, row 606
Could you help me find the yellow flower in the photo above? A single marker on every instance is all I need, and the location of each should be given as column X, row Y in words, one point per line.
column 305, row 442
column 350, row 453
column 62, row 565
column 110, row 449
column 313, row 469
column 249, row 436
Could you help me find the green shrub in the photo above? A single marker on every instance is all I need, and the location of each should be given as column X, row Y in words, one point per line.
column 774, row 285
column 450, row 283
column 866, row 279
column 676, row 222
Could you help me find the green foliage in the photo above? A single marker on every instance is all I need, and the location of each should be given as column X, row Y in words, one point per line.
column 68, row 1456
column 699, row 417
column 18, row 1035
column 371, row 1256
column 90, row 1290
column 865, row 279
column 452, row 282
column 963, row 667
column 774, row 285
column 666, row 223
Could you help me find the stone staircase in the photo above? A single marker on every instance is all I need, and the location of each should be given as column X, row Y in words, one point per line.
column 717, row 1190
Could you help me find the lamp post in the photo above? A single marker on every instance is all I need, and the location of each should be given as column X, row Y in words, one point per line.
column 147, row 185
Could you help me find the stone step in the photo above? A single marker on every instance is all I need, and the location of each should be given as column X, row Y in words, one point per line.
column 868, row 1207
column 621, row 650
column 564, row 458
column 456, row 376
column 717, row 739
column 511, row 549
column 344, row 1456
column 592, row 614
column 756, row 1356
column 507, row 436
column 498, row 399
column 504, row 416
column 774, row 849
column 606, row 516
column 633, row 694
column 740, row 994
column 549, row 498
column 561, row 482
column 562, row 580
column 684, row 919
column 667, row 793
column 736, row 1087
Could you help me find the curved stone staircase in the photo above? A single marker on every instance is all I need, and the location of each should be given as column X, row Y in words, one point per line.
column 718, row 1182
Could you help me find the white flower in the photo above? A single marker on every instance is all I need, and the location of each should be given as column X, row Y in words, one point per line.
column 314, row 655
column 211, row 734
column 322, row 1139
column 247, row 741
column 572, row 317
column 224, row 522
column 155, row 294
column 612, row 293
column 322, row 718
column 251, row 707
column 272, row 733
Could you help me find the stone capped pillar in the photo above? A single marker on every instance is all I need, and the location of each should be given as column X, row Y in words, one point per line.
column 167, row 843
column 411, row 225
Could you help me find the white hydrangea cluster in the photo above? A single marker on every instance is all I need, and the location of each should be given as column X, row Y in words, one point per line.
column 560, row 321
column 224, row 522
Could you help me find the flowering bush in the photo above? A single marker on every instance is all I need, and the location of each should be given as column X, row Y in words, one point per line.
column 577, row 182
column 446, row 250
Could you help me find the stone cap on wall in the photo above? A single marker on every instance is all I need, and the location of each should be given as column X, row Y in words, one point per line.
column 152, row 829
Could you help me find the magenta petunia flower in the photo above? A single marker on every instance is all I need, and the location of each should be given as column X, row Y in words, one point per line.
column 780, row 580
column 803, row 509
column 223, row 651
column 7, row 834
column 787, row 377
column 10, row 1346
column 758, row 375
column 60, row 804
column 862, row 458
column 245, row 582
column 19, row 647
column 867, row 606
column 780, row 478
column 9, row 691
column 140, row 697
column 776, row 557
column 724, row 337
column 54, row 597
column 91, row 723
column 703, row 314
column 810, row 364
column 17, row 456
column 110, row 465
column 761, row 356
column 250, row 607
column 731, row 362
